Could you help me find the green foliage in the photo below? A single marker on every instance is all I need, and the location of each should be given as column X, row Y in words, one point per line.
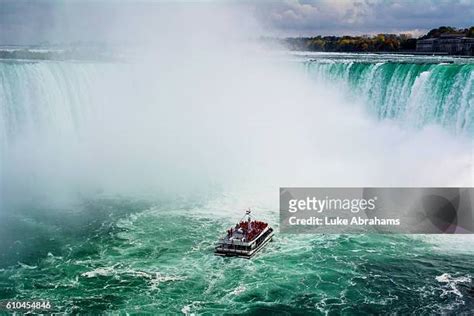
column 441, row 30
column 377, row 43
column 470, row 32
column 381, row 42
column 449, row 30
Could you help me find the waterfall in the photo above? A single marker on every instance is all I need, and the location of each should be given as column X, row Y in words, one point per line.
column 45, row 98
column 57, row 97
column 83, row 128
column 418, row 94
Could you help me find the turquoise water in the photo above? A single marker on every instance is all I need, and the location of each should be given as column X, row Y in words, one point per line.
column 135, row 257
column 72, row 133
column 418, row 91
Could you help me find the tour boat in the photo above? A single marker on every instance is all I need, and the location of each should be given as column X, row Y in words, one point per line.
column 245, row 239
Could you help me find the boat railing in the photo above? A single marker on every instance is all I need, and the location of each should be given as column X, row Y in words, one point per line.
column 226, row 240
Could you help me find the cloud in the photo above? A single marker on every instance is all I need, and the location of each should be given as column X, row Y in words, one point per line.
column 119, row 21
column 30, row 22
column 298, row 17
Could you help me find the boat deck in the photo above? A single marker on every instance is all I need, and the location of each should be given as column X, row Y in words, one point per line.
column 229, row 247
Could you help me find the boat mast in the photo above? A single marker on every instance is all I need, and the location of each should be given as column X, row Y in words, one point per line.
column 249, row 218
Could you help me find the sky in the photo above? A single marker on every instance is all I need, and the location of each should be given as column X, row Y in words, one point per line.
column 36, row 21
column 327, row 17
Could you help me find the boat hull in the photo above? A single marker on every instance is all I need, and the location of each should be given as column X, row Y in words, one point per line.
column 226, row 251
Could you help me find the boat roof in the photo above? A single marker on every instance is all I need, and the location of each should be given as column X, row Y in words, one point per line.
column 236, row 238
column 237, row 235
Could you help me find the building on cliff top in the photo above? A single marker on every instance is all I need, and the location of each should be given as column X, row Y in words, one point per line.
column 453, row 44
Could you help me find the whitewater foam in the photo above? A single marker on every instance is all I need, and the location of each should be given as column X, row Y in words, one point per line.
column 79, row 130
column 451, row 283
column 412, row 90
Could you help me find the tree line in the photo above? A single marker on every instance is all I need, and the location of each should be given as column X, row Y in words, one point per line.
column 365, row 43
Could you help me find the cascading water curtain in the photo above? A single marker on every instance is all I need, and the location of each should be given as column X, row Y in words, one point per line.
column 419, row 94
